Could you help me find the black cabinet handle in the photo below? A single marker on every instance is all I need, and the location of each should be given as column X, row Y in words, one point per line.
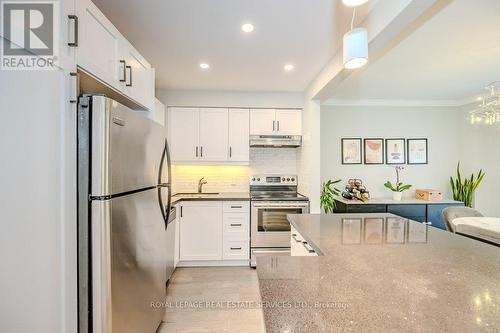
column 75, row 35
column 230, row 151
column 124, row 72
column 236, row 248
column 235, row 224
column 236, row 206
column 196, row 151
column 181, row 211
column 129, row 84
column 201, row 151
column 274, row 122
column 278, row 125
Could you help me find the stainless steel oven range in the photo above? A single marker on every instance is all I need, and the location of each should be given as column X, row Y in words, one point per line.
column 273, row 197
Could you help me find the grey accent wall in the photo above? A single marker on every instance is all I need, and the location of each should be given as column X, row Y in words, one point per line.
column 439, row 124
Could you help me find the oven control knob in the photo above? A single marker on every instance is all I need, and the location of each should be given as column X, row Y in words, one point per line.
column 293, row 179
column 258, row 179
column 253, row 179
column 288, row 179
column 282, row 179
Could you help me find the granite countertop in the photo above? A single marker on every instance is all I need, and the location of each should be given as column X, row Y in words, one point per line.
column 389, row 201
column 381, row 273
column 237, row 196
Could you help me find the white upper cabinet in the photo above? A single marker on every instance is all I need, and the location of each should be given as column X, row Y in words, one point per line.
column 184, row 134
column 103, row 52
column 276, row 122
column 213, row 134
column 98, row 44
column 239, row 131
column 136, row 75
column 262, row 121
column 289, row 122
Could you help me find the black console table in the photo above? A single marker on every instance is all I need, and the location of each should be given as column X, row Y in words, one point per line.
column 414, row 209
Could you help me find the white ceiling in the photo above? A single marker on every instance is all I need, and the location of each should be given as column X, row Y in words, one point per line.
column 450, row 58
column 176, row 35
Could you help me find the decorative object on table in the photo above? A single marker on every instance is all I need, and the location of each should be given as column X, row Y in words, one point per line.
column 355, row 190
column 395, row 230
column 463, row 189
column 351, row 231
column 395, row 151
column 488, row 111
column 428, row 195
column 328, row 195
column 417, row 151
column 351, row 151
column 397, row 191
column 374, row 151
column 374, row 230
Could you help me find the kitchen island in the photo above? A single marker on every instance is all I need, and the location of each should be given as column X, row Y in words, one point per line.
column 381, row 273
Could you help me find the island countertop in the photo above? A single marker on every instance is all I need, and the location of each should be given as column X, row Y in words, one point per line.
column 380, row 272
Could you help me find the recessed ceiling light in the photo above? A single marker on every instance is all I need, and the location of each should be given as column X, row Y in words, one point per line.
column 204, row 65
column 354, row 3
column 247, row 27
column 288, row 67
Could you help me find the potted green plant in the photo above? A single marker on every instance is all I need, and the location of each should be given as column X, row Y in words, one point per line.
column 397, row 191
column 328, row 195
column 463, row 189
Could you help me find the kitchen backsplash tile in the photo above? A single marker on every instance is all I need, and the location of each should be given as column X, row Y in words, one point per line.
column 234, row 178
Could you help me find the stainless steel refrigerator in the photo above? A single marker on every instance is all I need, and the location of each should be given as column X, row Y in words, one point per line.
column 124, row 200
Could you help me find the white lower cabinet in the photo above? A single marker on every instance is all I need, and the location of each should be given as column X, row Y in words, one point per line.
column 200, row 235
column 299, row 246
column 215, row 233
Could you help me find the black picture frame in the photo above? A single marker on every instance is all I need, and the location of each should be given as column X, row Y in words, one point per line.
column 426, row 151
column 383, row 150
column 387, row 151
column 360, row 151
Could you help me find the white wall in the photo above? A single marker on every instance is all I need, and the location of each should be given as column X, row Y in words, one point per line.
column 479, row 149
column 37, row 213
column 309, row 155
column 230, row 98
column 438, row 124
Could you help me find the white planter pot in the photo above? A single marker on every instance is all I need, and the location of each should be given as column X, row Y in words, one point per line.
column 396, row 196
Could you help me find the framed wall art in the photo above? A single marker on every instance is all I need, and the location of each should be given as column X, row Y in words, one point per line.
column 374, row 151
column 351, row 151
column 417, row 151
column 374, row 230
column 395, row 151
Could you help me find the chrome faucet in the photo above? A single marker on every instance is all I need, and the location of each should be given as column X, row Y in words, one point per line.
column 201, row 182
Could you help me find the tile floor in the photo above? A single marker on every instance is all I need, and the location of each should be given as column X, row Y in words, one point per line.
column 225, row 288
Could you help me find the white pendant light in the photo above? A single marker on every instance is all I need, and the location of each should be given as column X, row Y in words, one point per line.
column 354, row 3
column 356, row 48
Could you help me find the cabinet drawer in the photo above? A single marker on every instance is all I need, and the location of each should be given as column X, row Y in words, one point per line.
column 407, row 210
column 366, row 208
column 236, row 250
column 236, row 207
column 236, row 226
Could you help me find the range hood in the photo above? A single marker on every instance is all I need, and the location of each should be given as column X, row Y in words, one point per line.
column 276, row 141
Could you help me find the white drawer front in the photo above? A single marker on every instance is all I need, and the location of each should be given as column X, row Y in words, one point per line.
column 236, row 226
column 236, row 250
column 236, row 207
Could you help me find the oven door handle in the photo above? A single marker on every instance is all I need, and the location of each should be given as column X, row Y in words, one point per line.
column 280, row 205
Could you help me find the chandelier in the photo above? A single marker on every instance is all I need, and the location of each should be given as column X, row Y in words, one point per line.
column 488, row 111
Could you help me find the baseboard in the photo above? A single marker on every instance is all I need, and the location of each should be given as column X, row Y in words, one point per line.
column 213, row 263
